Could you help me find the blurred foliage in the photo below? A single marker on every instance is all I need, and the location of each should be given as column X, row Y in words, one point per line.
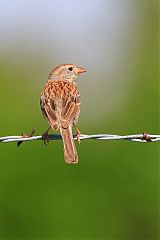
column 113, row 192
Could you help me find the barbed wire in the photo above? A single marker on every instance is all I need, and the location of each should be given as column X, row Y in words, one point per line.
column 143, row 138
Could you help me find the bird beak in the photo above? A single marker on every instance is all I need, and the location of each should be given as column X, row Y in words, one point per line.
column 80, row 70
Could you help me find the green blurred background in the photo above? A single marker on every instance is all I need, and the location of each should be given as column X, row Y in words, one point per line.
column 113, row 192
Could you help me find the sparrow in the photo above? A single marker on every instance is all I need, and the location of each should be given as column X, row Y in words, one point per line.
column 60, row 105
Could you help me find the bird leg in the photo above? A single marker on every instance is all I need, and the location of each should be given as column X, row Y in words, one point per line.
column 45, row 136
column 26, row 136
column 78, row 134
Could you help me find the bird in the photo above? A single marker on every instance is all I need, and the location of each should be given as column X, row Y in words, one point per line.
column 60, row 105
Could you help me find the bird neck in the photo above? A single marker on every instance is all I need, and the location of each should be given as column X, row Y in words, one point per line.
column 58, row 78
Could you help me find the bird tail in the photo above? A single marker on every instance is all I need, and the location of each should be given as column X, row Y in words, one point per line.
column 70, row 153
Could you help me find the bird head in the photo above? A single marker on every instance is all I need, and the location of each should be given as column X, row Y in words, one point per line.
column 66, row 72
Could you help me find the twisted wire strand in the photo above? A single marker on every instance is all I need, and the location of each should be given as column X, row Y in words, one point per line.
column 143, row 138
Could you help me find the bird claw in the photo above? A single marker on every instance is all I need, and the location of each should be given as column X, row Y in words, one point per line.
column 26, row 136
column 45, row 137
column 78, row 135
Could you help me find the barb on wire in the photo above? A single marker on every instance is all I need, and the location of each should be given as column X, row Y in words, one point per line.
column 143, row 138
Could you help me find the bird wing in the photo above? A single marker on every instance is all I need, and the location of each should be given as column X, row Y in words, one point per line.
column 60, row 104
column 70, row 109
column 48, row 110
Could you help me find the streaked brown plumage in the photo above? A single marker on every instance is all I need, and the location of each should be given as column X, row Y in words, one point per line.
column 60, row 104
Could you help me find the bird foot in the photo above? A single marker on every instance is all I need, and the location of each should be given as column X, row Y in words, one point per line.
column 78, row 135
column 45, row 137
column 26, row 136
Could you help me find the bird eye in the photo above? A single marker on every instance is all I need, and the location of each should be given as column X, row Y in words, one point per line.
column 70, row 68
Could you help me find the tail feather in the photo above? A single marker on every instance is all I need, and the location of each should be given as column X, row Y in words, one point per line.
column 70, row 153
